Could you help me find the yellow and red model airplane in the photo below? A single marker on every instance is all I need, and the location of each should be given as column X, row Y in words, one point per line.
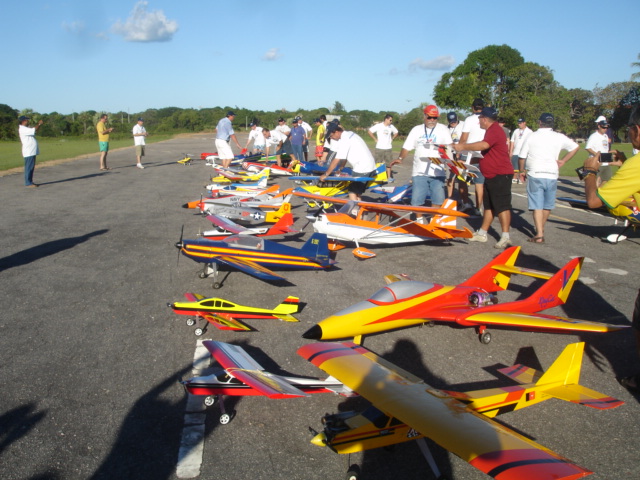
column 385, row 224
column 405, row 408
column 405, row 303
column 226, row 315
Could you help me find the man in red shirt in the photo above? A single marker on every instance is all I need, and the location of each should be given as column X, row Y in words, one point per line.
column 498, row 171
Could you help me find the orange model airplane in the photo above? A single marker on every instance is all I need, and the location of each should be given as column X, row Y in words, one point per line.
column 385, row 224
column 470, row 304
column 409, row 409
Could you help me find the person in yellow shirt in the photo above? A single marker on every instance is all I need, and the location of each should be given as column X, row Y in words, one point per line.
column 103, row 140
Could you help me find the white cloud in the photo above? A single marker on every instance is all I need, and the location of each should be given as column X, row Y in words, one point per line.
column 74, row 27
column 146, row 26
column 439, row 63
column 272, row 55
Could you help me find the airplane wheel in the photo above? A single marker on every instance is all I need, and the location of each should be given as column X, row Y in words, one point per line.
column 226, row 418
column 485, row 338
column 198, row 332
column 202, row 275
column 431, row 324
column 353, row 473
column 216, row 285
column 190, row 322
column 210, row 400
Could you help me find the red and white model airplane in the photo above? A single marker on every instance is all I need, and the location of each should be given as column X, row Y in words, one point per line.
column 241, row 375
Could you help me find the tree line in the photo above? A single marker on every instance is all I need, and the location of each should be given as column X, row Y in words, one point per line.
column 497, row 73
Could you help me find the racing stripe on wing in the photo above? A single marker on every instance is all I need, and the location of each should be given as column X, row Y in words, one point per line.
column 318, row 353
column 527, row 464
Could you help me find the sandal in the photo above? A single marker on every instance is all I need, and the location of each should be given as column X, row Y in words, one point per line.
column 631, row 383
column 536, row 240
column 105, row 168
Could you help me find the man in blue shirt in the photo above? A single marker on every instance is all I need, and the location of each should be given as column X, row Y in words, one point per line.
column 298, row 139
column 224, row 133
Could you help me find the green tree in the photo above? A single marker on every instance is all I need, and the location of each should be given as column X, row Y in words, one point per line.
column 338, row 108
column 636, row 75
column 8, row 123
column 485, row 73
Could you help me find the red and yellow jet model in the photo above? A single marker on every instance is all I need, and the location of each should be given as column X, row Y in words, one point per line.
column 405, row 408
column 470, row 304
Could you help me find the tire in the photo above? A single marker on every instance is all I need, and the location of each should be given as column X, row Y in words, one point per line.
column 190, row 322
column 198, row 332
column 485, row 338
column 210, row 400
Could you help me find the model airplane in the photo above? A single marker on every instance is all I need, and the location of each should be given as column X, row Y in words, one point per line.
column 626, row 212
column 227, row 176
column 385, row 224
column 274, row 169
column 246, row 214
column 256, row 256
column 341, row 183
column 395, row 194
column 263, row 201
column 242, row 375
column 258, row 185
column 470, row 304
column 411, row 410
column 227, row 227
column 227, row 315
column 235, row 196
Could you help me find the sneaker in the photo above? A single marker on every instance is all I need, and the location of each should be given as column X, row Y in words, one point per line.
column 477, row 237
column 515, row 180
column 503, row 243
column 140, row 165
column 33, row 185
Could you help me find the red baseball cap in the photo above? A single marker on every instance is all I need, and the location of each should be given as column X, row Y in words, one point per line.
column 431, row 111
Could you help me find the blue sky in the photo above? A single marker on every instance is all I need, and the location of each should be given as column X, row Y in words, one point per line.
column 128, row 55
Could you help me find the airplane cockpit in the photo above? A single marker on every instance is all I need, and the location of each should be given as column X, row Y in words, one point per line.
column 245, row 241
column 400, row 290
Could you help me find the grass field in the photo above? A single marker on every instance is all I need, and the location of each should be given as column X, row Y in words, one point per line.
column 61, row 148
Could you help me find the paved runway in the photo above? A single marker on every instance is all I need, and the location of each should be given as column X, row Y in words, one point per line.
column 90, row 356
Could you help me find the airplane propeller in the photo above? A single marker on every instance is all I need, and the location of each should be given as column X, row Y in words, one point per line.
column 180, row 244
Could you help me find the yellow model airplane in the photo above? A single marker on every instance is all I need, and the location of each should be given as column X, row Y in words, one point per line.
column 409, row 409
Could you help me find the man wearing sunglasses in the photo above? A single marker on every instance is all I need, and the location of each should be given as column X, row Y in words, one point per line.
column 428, row 177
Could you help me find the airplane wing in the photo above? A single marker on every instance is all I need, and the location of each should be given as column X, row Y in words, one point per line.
column 332, row 178
column 383, row 206
column 487, row 445
column 224, row 322
column 237, row 362
column 525, row 321
column 225, row 223
column 248, row 267
column 193, row 297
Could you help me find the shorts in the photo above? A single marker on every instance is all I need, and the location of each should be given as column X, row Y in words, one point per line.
column 479, row 179
column 224, row 149
column 383, row 156
column 515, row 162
column 259, row 148
column 541, row 193
column 139, row 150
column 497, row 193
column 359, row 187
column 431, row 186
column 104, row 146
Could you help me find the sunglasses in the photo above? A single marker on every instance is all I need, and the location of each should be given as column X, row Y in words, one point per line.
column 432, row 118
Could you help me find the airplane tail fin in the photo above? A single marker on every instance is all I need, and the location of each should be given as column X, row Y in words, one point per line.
column 562, row 379
column 317, row 247
column 492, row 279
column 554, row 291
column 278, row 214
column 288, row 305
column 262, row 183
column 381, row 173
column 445, row 221
column 283, row 225
column 287, row 194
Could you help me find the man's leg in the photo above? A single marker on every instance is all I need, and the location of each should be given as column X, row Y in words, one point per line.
column 540, row 218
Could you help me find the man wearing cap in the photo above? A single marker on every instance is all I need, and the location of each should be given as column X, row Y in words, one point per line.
column 30, row 148
column 103, row 140
column 518, row 138
column 428, row 177
column 455, row 130
column 307, row 129
column 539, row 156
column 256, row 136
column 496, row 167
column 284, row 129
column 352, row 149
column 224, row 133
column 599, row 142
column 386, row 133
column 139, row 134
column 298, row 137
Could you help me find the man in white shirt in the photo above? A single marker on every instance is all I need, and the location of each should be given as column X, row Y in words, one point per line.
column 139, row 134
column 518, row 138
column 472, row 133
column 386, row 133
column 539, row 156
column 428, row 177
column 598, row 142
column 352, row 149
column 256, row 136
column 273, row 139
column 455, row 130
column 29, row 148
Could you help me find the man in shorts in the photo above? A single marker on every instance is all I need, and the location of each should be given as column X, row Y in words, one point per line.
column 497, row 170
column 139, row 134
column 224, row 133
column 103, row 140
column 539, row 156
column 386, row 134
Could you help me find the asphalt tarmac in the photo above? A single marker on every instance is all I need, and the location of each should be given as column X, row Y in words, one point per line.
column 90, row 355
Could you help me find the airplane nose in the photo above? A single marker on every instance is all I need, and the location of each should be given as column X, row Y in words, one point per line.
column 320, row 440
column 314, row 333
